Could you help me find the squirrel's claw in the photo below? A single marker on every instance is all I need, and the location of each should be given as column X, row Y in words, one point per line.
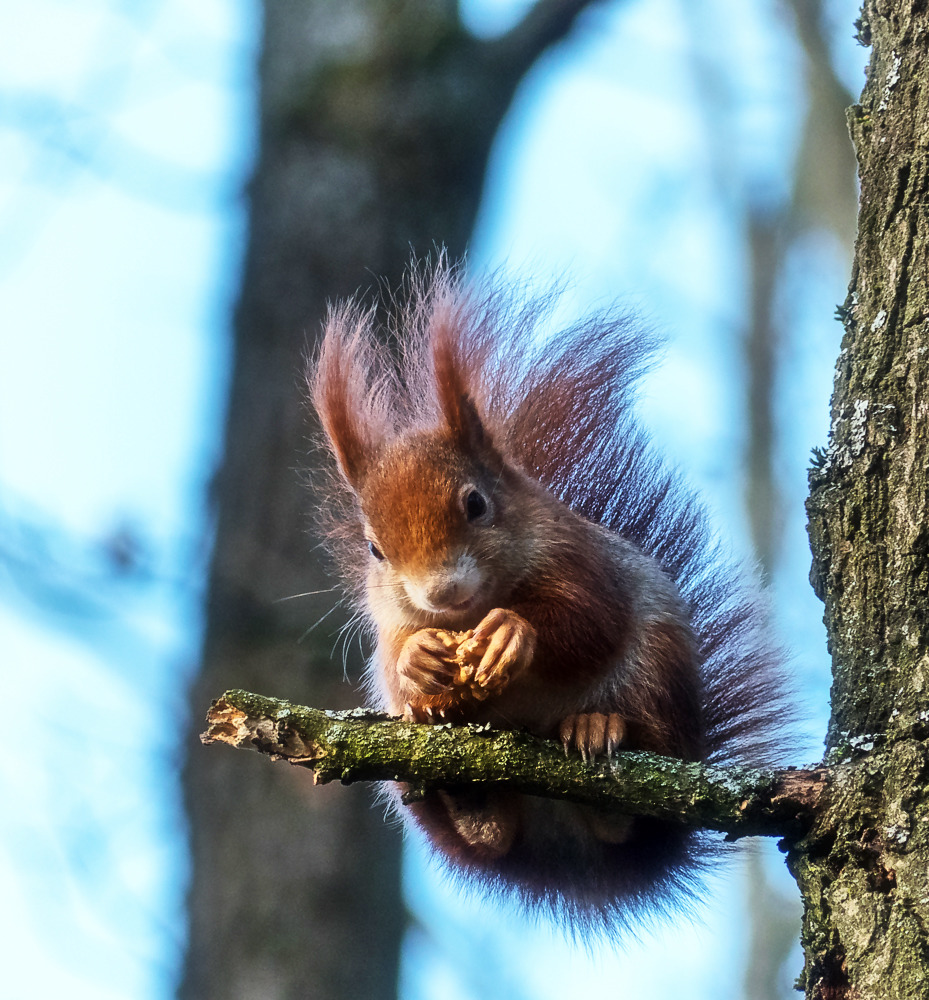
column 593, row 734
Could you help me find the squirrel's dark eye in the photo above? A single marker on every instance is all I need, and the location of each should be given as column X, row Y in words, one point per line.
column 376, row 552
column 475, row 505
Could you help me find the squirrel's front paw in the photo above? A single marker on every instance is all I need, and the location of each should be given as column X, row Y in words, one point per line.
column 501, row 647
column 426, row 662
column 593, row 733
column 431, row 676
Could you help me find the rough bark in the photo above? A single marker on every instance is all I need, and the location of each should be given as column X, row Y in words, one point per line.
column 862, row 869
column 376, row 121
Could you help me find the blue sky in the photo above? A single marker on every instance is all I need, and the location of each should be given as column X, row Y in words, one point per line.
column 125, row 136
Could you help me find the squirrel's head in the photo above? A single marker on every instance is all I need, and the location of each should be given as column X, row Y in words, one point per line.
column 436, row 493
column 435, row 517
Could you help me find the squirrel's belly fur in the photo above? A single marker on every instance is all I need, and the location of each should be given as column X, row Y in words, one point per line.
column 523, row 558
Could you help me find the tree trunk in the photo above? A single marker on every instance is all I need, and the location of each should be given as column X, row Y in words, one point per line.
column 376, row 121
column 863, row 869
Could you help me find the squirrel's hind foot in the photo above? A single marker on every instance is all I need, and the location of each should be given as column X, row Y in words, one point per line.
column 594, row 734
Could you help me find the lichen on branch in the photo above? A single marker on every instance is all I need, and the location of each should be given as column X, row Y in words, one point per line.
column 366, row 746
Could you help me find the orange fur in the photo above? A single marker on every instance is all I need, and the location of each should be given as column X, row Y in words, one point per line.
column 494, row 481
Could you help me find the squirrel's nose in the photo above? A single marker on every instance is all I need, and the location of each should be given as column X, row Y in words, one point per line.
column 448, row 588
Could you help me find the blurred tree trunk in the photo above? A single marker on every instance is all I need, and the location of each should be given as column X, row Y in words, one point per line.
column 863, row 868
column 822, row 198
column 376, row 121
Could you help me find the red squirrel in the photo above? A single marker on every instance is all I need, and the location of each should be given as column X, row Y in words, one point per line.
column 525, row 560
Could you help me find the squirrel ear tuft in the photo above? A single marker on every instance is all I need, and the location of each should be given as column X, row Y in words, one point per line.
column 465, row 424
column 343, row 425
column 455, row 403
column 341, row 390
column 352, row 451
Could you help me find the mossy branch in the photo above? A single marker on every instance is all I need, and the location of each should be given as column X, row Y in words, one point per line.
column 365, row 746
